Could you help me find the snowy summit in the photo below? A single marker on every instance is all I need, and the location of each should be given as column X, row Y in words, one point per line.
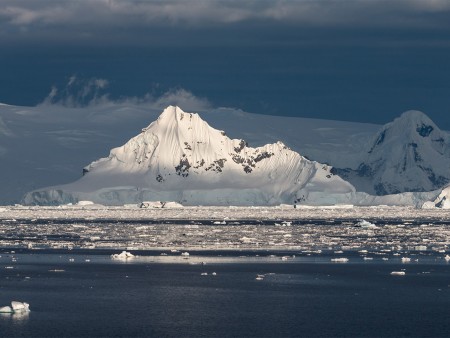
column 408, row 154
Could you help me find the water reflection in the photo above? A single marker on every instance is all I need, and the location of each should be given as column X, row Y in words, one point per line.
column 16, row 317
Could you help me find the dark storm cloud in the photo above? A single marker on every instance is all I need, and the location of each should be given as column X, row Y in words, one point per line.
column 132, row 20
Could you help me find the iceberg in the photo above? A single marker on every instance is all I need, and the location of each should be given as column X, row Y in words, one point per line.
column 124, row 255
column 398, row 273
column 6, row 309
column 339, row 260
column 16, row 307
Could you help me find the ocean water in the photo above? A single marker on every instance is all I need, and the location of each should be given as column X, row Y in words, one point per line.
column 84, row 293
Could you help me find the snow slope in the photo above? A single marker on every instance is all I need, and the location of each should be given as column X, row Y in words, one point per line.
column 179, row 157
column 409, row 154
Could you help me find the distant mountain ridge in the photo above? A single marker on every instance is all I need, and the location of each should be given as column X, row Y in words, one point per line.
column 408, row 154
column 179, row 157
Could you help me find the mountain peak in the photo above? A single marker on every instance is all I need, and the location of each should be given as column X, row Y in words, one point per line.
column 180, row 157
column 414, row 122
column 408, row 154
column 171, row 112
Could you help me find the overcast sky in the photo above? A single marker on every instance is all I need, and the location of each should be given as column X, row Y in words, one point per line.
column 365, row 60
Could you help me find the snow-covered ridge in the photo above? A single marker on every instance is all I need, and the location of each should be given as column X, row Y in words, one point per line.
column 408, row 154
column 179, row 157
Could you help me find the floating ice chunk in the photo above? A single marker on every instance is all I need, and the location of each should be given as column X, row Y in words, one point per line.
column 406, row 259
column 284, row 258
column 172, row 205
column 85, row 203
column 123, row 255
column 247, row 240
column 365, row 224
column 3, row 209
column 398, row 273
column 447, row 258
column 368, row 258
column 259, row 277
column 185, row 254
column 159, row 205
column 204, row 274
column 151, row 204
column 20, row 306
column 214, row 274
column 340, row 260
column 6, row 309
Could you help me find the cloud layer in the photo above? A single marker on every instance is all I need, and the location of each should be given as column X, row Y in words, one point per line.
column 87, row 19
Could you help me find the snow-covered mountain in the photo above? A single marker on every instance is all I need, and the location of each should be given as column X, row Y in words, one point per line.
column 46, row 145
column 179, row 157
column 409, row 154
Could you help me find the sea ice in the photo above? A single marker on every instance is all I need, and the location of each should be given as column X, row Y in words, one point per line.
column 365, row 224
column 123, row 255
column 85, row 203
column 398, row 273
column 6, row 309
column 340, row 260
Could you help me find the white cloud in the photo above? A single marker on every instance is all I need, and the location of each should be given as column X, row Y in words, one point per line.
column 92, row 93
column 181, row 98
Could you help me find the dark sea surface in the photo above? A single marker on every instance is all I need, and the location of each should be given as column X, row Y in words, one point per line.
column 85, row 293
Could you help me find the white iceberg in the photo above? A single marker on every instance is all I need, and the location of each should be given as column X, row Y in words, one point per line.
column 16, row 307
column 124, row 255
column 6, row 309
column 365, row 224
column 20, row 306
column 340, row 260
column 398, row 273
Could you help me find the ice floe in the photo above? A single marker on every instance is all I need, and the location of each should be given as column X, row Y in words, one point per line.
column 340, row 260
column 124, row 255
column 398, row 273
column 16, row 307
